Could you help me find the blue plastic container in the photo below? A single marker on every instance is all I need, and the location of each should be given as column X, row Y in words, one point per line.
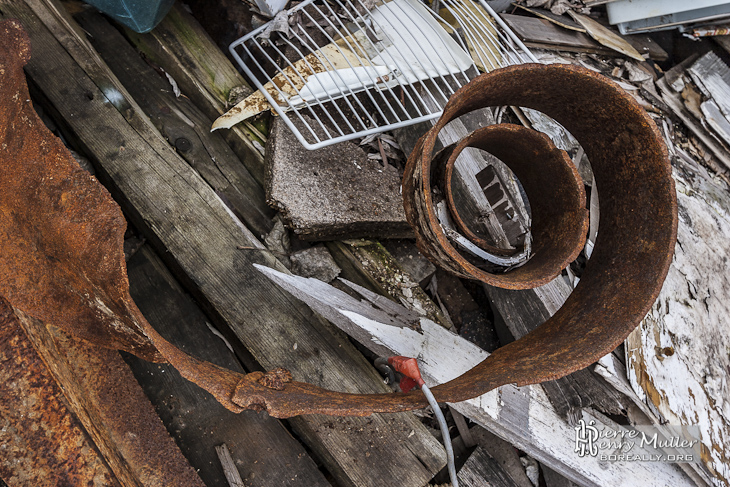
column 139, row 15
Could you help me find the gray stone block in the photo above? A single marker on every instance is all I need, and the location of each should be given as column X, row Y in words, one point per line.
column 334, row 192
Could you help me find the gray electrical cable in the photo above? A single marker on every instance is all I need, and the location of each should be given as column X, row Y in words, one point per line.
column 444, row 432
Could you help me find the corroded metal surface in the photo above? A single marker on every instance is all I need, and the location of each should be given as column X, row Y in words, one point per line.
column 127, row 426
column 42, row 443
column 551, row 181
column 65, row 263
column 56, row 226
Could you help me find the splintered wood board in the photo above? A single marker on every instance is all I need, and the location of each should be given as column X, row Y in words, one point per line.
column 541, row 33
column 605, row 36
column 522, row 416
column 674, row 101
column 679, row 357
column 262, row 449
column 198, row 235
column 481, row 470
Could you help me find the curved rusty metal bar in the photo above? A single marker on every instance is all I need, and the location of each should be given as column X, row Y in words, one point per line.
column 83, row 249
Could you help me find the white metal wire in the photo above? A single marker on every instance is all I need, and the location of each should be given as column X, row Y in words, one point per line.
column 350, row 68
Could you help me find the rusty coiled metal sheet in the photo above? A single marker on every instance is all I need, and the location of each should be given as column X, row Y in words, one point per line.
column 632, row 253
column 83, row 249
column 629, row 263
column 552, row 183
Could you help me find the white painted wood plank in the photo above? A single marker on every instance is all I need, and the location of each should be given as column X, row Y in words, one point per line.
column 679, row 357
column 521, row 415
column 712, row 76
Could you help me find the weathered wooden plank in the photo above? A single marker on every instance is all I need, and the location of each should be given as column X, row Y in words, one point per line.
column 229, row 467
column 561, row 20
column 481, row 470
column 183, row 125
column 646, row 45
column 723, row 41
column 677, row 358
column 411, row 260
column 260, row 446
column 523, row 311
column 606, row 36
column 464, row 433
column 504, row 453
column 181, row 214
column 614, row 372
column 521, row 415
column 183, row 49
column 674, row 101
column 554, row 479
column 535, row 32
column 470, row 319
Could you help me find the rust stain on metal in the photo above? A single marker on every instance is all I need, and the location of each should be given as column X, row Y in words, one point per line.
column 58, row 232
column 131, row 431
column 553, row 186
column 42, row 442
column 62, row 261
column 276, row 378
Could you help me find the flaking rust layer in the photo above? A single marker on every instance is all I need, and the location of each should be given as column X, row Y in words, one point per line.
column 42, row 441
column 57, row 223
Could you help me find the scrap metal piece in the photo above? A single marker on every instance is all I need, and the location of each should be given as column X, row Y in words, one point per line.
column 56, row 232
column 64, row 264
column 43, row 443
column 552, row 184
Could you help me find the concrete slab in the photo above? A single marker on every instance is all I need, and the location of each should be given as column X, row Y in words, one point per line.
column 334, row 192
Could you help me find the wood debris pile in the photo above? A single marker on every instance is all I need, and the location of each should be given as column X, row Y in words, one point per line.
column 211, row 214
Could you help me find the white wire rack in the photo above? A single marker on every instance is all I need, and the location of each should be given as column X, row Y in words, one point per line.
column 344, row 69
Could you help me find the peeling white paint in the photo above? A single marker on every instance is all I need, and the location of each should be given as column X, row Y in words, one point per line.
column 679, row 358
column 521, row 415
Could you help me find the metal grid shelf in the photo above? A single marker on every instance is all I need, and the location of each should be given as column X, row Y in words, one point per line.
column 342, row 69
